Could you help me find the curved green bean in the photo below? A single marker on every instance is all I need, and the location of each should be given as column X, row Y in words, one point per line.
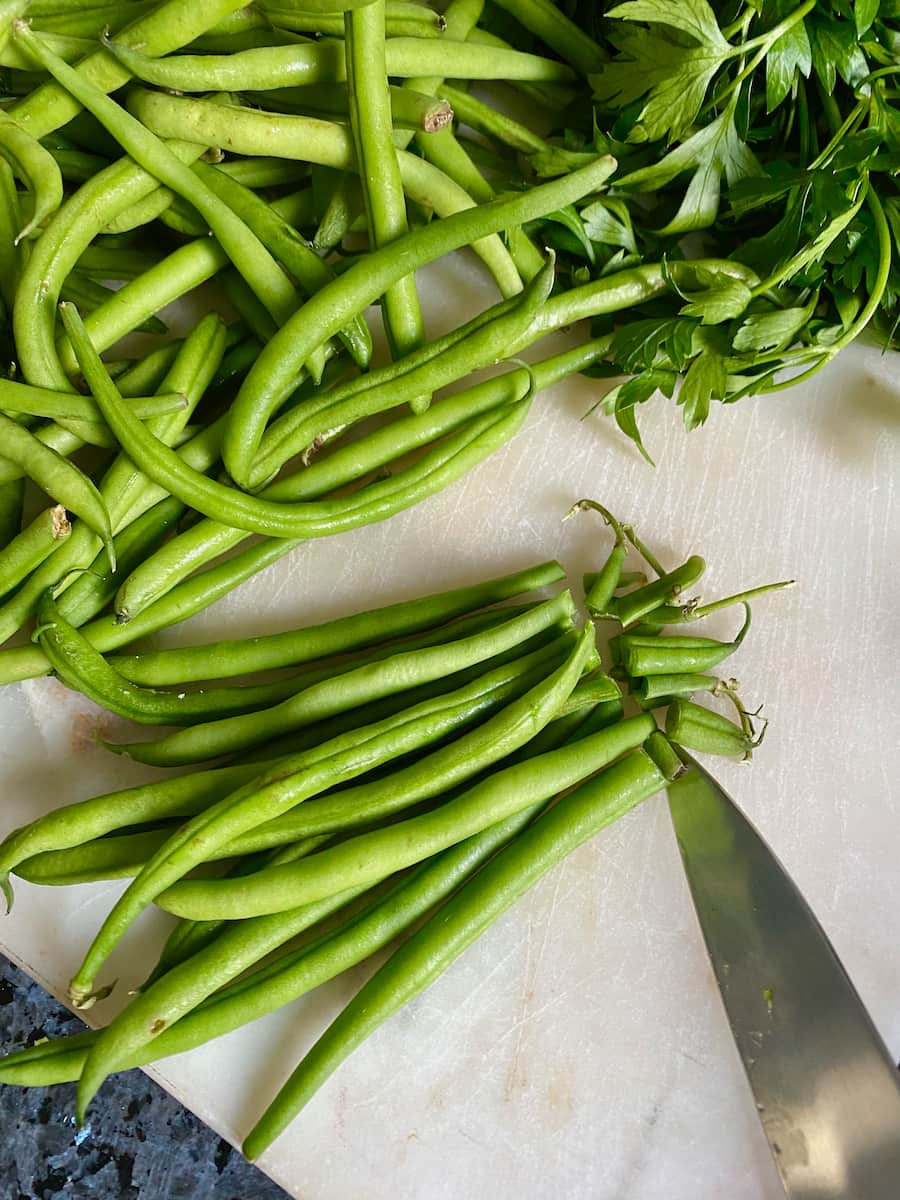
column 276, row 518
column 37, row 169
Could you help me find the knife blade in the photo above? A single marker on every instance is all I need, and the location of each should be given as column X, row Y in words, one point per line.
column 826, row 1088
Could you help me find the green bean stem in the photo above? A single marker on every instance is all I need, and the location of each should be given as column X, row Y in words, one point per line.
column 379, row 171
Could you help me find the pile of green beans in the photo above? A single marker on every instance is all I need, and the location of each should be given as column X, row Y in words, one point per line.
column 301, row 166
column 430, row 762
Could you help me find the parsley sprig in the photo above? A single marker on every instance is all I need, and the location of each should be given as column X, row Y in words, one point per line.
column 766, row 133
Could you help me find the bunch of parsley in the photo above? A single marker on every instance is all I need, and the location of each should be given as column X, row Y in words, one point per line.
column 767, row 133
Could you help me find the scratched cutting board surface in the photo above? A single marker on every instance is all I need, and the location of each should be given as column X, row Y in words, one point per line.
column 579, row 1049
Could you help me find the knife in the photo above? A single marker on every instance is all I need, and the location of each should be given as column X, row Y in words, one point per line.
column 827, row 1091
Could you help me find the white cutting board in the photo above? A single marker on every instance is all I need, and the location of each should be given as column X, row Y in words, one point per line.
column 579, row 1049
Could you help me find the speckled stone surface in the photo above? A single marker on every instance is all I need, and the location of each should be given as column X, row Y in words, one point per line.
column 140, row 1142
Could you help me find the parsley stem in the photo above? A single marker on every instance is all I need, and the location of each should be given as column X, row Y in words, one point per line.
column 868, row 310
column 768, row 39
column 848, row 126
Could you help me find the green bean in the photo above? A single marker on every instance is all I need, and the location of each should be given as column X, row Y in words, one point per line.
column 88, row 21
column 370, row 857
column 246, row 252
column 84, row 669
column 75, row 824
column 379, row 170
column 105, row 858
column 423, row 957
column 217, row 660
column 654, row 655
column 403, row 19
column 248, row 131
column 323, row 62
column 77, row 165
column 55, row 254
column 276, row 518
column 544, row 19
column 59, row 478
column 37, row 169
column 26, row 77
column 183, row 601
column 482, row 342
column 42, row 402
column 360, row 685
column 271, row 378
column 209, row 538
column 292, row 781
column 31, row 546
column 87, row 295
column 168, row 27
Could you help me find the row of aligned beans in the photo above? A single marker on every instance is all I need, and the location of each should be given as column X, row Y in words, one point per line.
column 428, row 763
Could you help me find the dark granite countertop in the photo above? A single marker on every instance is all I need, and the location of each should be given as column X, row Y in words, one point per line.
column 140, row 1142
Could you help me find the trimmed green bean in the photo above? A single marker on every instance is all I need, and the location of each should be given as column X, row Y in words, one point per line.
column 342, row 635
column 427, row 954
column 600, row 593
column 698, row 728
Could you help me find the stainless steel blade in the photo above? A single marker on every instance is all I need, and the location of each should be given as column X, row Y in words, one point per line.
column 826, row 1088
